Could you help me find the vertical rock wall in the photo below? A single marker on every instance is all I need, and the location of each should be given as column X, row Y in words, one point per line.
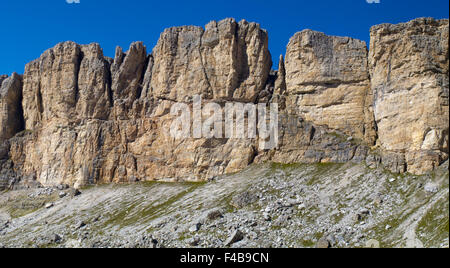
column 409, row 76
column 85, row 118
column 328, row 82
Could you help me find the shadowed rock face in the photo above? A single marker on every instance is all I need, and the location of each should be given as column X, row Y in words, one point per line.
column 11, row 120
column 90, row 119
column 2, row 77
column 409, row 77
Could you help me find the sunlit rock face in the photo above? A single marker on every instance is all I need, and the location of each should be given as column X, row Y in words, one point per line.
column 225, row 60
column 94, row 119
column 327, row 80
column 409, row 77
column 78, row 117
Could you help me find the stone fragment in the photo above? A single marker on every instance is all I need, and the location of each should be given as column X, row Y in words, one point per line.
column 323, row 243
column 234, row 238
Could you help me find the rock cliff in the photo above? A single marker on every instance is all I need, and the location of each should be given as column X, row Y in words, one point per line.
column 409, row 77
column 328, row 82
column 11, row 115
column 78, row 117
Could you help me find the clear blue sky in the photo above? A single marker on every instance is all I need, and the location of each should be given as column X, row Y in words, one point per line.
column 29, row 27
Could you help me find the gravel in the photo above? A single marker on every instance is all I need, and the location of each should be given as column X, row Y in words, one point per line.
column 332, row 205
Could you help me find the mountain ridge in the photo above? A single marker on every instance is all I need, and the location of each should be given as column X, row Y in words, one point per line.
column 85, row 118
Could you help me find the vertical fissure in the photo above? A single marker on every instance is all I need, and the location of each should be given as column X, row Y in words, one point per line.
column 21, row 116
column 109, row 83
column 77, row 74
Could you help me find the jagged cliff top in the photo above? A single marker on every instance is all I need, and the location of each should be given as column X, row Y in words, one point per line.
column 108, row 120
column 389, row 27
column 310, row 32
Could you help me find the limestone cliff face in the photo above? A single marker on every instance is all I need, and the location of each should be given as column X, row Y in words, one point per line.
column 409, row 77
column 78, row 117
column 66, row 97
column 93, row 119
column 328, row 82
column 224, row 61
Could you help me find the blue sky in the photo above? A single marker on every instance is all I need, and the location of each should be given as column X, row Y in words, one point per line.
column 29, row 27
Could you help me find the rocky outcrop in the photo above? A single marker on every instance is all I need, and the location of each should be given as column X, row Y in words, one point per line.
column 327, row 81
column 2, row 77
column 85, row 118
column 66, row 97
column 11, row 123
column 92, row 119
column 11, row 120
column 409, row 76
column 224, row 61
column 127, row 72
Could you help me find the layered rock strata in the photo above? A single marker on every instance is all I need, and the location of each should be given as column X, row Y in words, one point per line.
column 327, row 81
column 409, row 79
column 78, row 117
